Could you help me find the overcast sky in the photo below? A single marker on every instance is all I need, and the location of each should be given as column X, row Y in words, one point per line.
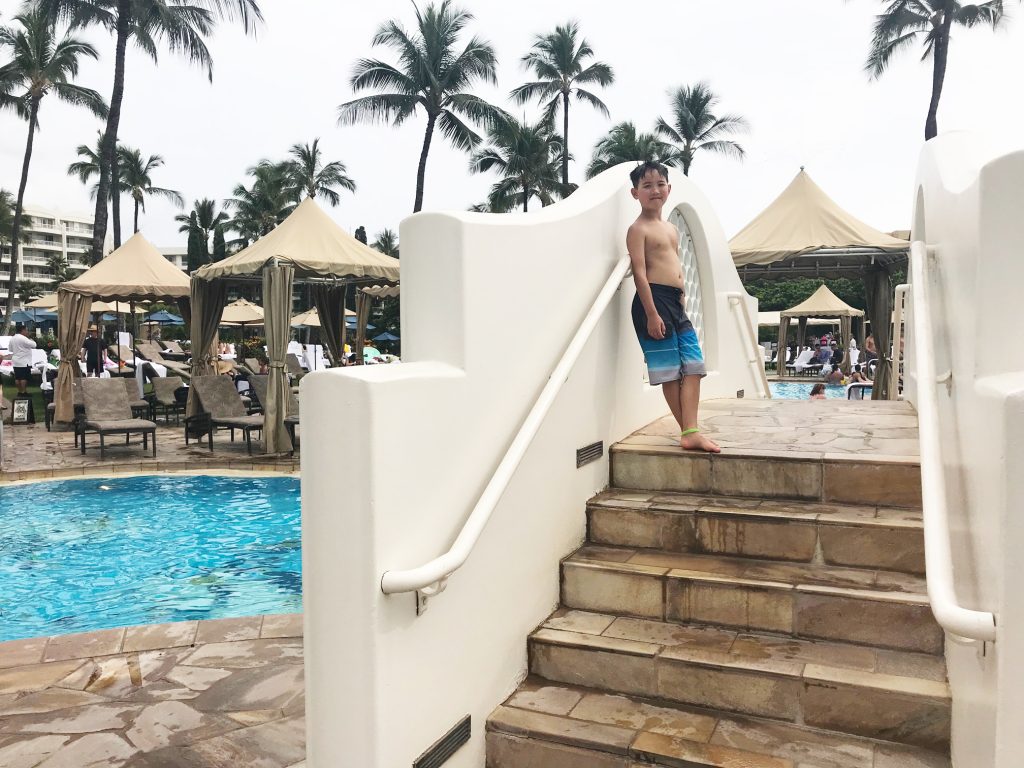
column 793, row 68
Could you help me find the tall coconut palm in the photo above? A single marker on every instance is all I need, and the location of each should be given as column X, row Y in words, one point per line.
column 695, row 126
column 314, row 178
column 527, row 158
column 434, row 75
column 204, row 219
column 41, row 64
column 623, row 144
column 181, row 25
column 904, row 22
column 135, row 173
column 259, row 208
column 386, row 242
column 87, row 168
column 557, row 59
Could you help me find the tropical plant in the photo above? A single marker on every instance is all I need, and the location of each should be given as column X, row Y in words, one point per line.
column 205, row 218
column 87, row 167
column 135, row 177
column 41, row 64
column 26, row 291
column 386, row 242
column 434, row 75
column 59, row 267
column 263, row 205
column 527, row 157
column 196, row 254
column 220, row 248
column 624, row 145
column 904, row 22
column 313, row 177
column 181, row 25
column 557, row 59
column 7, row 208
column 695, row 126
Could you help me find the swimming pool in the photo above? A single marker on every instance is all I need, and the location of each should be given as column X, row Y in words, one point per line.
column 81, row 555
column 798, row 390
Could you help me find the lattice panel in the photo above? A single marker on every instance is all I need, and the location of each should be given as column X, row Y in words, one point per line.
column 691, row 275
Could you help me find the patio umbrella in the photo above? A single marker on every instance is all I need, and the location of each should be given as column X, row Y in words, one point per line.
column 311, row 318
column 386, row 336
column 242, row 313
column 49, row 301
column 33, row 316
column 163, row 317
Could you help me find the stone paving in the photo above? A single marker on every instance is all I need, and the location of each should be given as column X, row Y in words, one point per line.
column 824, row 429
column 201, row 694
column 32, row 453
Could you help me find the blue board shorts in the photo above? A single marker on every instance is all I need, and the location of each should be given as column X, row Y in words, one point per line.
column 676, row 355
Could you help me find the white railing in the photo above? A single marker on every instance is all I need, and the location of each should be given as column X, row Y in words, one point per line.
column 756, row 359
column 898, row 319
column 955, row 619
column 431, row 578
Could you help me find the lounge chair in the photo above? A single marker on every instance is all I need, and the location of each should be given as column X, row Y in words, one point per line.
column 108, row 412
column 294, row 366
column 122, row 354
column 76, row 399
column 173, row 351
column 140, row 407
column 291, row 419
column 222, row 409
column 164, row 398
column 151, row 352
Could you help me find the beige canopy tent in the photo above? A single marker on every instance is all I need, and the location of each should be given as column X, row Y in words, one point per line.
column 804, row 233
column 822, row 303
column 771, row 320
column 135, row 272
column 307, row 246
column 49, row 301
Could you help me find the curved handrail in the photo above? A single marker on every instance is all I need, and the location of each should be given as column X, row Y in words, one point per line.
column 976, row 625
column 430, row 578
column 756, row 362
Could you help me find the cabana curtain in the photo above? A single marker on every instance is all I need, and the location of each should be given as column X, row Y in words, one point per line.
column 329, row 301
column 208, row 300
column 277, row 300
column 878, row 291
column 74, row 324
column 363, row 303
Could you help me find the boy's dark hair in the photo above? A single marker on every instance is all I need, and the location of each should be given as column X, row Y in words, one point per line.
column 19, row 328
column 646, row 167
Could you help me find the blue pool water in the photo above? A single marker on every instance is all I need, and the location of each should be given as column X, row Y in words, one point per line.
column 791, row 390
column 80, row 555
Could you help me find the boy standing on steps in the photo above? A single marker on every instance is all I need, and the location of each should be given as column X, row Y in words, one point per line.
column 670, row 344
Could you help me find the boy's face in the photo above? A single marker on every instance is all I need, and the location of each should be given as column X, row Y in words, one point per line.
column 652, row 191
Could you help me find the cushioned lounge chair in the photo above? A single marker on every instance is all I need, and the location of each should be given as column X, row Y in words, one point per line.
column 151, row 352
column 108, row 412
column 76, row 398
column 164, row 398
column 291, row 420
column 173, row 350
column 222, row 408
column 140, row 407
column 122, row 354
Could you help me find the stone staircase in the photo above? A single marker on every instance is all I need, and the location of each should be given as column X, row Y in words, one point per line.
column 748, row 610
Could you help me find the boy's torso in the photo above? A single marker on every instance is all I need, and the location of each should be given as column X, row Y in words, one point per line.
column 661, row 253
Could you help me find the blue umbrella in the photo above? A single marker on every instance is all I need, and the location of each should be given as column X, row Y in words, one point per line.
column 386, row 337
column 33, row 316
column 351, row 325
column 163, row 317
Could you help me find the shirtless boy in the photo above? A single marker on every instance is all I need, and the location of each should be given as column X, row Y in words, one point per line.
column 670, row 344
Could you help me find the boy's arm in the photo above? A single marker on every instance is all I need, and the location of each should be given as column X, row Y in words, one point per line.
column 635, row 246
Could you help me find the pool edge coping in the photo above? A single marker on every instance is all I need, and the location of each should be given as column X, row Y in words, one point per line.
column 27, row 476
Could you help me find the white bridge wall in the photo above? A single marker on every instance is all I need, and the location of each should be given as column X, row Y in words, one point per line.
column 970, row 200
column 394, row 458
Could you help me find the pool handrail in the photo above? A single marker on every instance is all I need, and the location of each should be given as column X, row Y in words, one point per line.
column 430, row 579
column 951, row 616
column 756, row 361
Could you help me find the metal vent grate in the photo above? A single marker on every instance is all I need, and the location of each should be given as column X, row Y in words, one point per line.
column 589, row 453
column 447, row 746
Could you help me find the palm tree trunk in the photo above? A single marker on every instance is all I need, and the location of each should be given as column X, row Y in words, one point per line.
column 99, row 232
column 421, row 171
column 18, row 207
column 941, row 55
column 526, row 198
column 115, row 201
column 565, row 138
column 687, row 159
column 136, row 216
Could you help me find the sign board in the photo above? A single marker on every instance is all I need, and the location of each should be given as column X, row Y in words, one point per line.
column 23, row 413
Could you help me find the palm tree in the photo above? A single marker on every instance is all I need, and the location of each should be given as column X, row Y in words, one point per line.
column 315, row 179
column 694, row 126
column 905, row 21
column 27, row 291
column 433, row 75
column 204, row 219
column 59, row 267
column 624, row 145
column 261, row 207
column 527, row 158
column 41, row 64
column 558, row 59
column 386, row 242
column 181, row 25
column 137, row 182
column 7, row 207
column 88, row 167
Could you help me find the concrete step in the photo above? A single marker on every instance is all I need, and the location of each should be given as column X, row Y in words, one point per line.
column 890, row 695
column 864, row 536
column 547, row 724
column 863, row 479
column 879, row 608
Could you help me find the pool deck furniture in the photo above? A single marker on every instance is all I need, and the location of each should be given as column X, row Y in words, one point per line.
column 150, row 351
column 140, row 406
column 223, row 408
column 109, row 412
column 165, row 399
column 291, row 419
column 172, row 351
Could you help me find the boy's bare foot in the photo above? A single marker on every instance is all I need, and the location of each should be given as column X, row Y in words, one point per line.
column 695, row 441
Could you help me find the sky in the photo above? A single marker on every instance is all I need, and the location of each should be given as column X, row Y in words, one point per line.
column 792, row 68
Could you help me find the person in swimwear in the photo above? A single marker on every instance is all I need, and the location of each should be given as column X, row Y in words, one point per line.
column 670, row 345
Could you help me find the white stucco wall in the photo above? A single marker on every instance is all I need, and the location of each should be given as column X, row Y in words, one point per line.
column 394, row 458
column 970, row 199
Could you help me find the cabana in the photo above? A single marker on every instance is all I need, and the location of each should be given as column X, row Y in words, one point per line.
column 804, row 233
column 821, row 304
column 135, row 272
column 306, row 247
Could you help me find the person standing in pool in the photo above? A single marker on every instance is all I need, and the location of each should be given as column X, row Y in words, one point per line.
column 670, row 345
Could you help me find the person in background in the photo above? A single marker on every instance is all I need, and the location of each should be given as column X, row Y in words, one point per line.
column 21, row 347
column 94, row 352
column 818, row 391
